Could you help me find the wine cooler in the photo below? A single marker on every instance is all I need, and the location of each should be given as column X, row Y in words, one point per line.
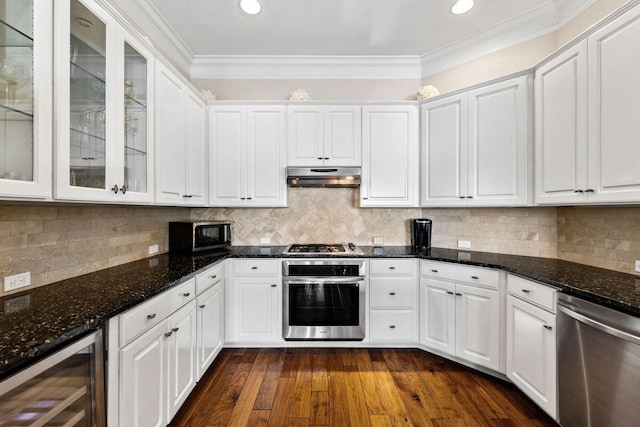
column 64, row 389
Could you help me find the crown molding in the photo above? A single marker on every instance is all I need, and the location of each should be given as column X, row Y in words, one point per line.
column 156, row 28
column 321, row 67
column 542, row 20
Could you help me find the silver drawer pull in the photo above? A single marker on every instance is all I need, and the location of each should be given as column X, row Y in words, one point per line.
column 151, row 316
column 392, row 293
column 254, row 268
column 434, row 271
column 392, row 268
column 547, row 327
column 202, row 306
column 450, row 293
column 458, row 294
column 168, row 334
column 392, row 326
column 475, row 277
column 273, row 286
column 186, row 294
column 175, row 329
column 526, row 291
column 213, row 277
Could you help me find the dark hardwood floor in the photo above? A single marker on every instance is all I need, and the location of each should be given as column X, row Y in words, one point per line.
column 351, row 387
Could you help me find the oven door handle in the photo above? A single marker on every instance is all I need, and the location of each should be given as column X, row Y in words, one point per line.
column 323, row 280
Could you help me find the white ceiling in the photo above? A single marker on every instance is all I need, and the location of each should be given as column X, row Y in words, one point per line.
column 209, row 29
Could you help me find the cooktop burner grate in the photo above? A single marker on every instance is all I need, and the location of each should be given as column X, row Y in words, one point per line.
column 316, row 248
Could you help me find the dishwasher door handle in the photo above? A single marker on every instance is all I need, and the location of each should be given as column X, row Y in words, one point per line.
column 600, row 326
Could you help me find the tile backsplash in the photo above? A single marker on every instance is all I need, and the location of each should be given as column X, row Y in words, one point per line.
column 607, row 237
column 55, row 241
column 331, row 215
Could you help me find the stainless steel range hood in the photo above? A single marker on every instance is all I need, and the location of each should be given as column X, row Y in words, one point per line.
column 323, row 177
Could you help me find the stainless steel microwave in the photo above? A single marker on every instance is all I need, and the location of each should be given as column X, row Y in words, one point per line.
column 189, row 236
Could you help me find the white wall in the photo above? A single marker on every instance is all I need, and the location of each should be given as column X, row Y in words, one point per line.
column 319, row 89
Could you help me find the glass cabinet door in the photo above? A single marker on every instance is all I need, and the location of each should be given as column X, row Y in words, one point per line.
column 25, row 91
column 136, row 84
column 103, row 118
column 87, row 96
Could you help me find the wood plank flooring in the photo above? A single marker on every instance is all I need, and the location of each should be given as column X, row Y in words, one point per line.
column 352, row 387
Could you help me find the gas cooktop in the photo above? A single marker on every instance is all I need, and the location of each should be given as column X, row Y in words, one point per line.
column 323, row 249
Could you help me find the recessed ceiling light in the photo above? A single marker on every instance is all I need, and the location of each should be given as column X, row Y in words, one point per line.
column 252, row 7
column 462, row 6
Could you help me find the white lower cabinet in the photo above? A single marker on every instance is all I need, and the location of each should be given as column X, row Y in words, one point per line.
column 461, row 319
column 253, row 302
column 157, row 370
column 531, row 342
column 210, row 327
column 392, row 295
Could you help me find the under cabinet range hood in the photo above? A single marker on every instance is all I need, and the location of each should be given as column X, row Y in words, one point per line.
column 348, row 177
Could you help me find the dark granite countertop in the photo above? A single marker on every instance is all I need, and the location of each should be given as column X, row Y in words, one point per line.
column 37, row 322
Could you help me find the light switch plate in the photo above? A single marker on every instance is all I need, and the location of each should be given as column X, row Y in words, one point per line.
column 637, row 268
column 153, row 249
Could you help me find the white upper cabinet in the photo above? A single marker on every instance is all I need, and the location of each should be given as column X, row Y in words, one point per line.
column 561, row 127
column 247, row 154
column 389, row 156
column 180, row 141
column 26, row 99
column 614, row 109
column 587, row 119
column 328, row 135
column 444, row 152
column 104, row 126
column 476, row 147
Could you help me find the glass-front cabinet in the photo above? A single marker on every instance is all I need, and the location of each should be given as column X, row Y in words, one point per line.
column 25, row 98
column 102, row 117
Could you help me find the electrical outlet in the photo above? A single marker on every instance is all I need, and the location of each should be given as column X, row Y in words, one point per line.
column 637, row 266
column 17, row 281
column 464, row 244
column 265, row 240
column 153, row 249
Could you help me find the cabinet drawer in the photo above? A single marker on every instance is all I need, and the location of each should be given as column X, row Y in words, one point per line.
column 210, row 277
column 533, row 292
column 392, row 292
column 391, row 266
column 392, row 325
column 461, row 273
column 255, row 267
column 149, row 313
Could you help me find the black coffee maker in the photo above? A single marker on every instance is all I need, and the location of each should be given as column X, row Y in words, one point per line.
column 421, row 234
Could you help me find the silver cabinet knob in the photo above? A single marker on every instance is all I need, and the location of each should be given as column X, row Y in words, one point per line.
column 175, row 329
column 392, row 268
column 186, row 294
column 151, row 316
column 254, row 268
column 115, row 189
column 274, row 285
column 213, row 277
column 168, row 334
column 392, row 326
column 202, row 306
column 434, row 271
column 475, row 277
column 123, row 189
column 392, row 293
column 547, row 327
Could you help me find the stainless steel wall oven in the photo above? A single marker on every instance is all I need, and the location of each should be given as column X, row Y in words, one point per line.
column 324, row 300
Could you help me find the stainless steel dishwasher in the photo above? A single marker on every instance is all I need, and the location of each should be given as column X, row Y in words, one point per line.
column 598, row 365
